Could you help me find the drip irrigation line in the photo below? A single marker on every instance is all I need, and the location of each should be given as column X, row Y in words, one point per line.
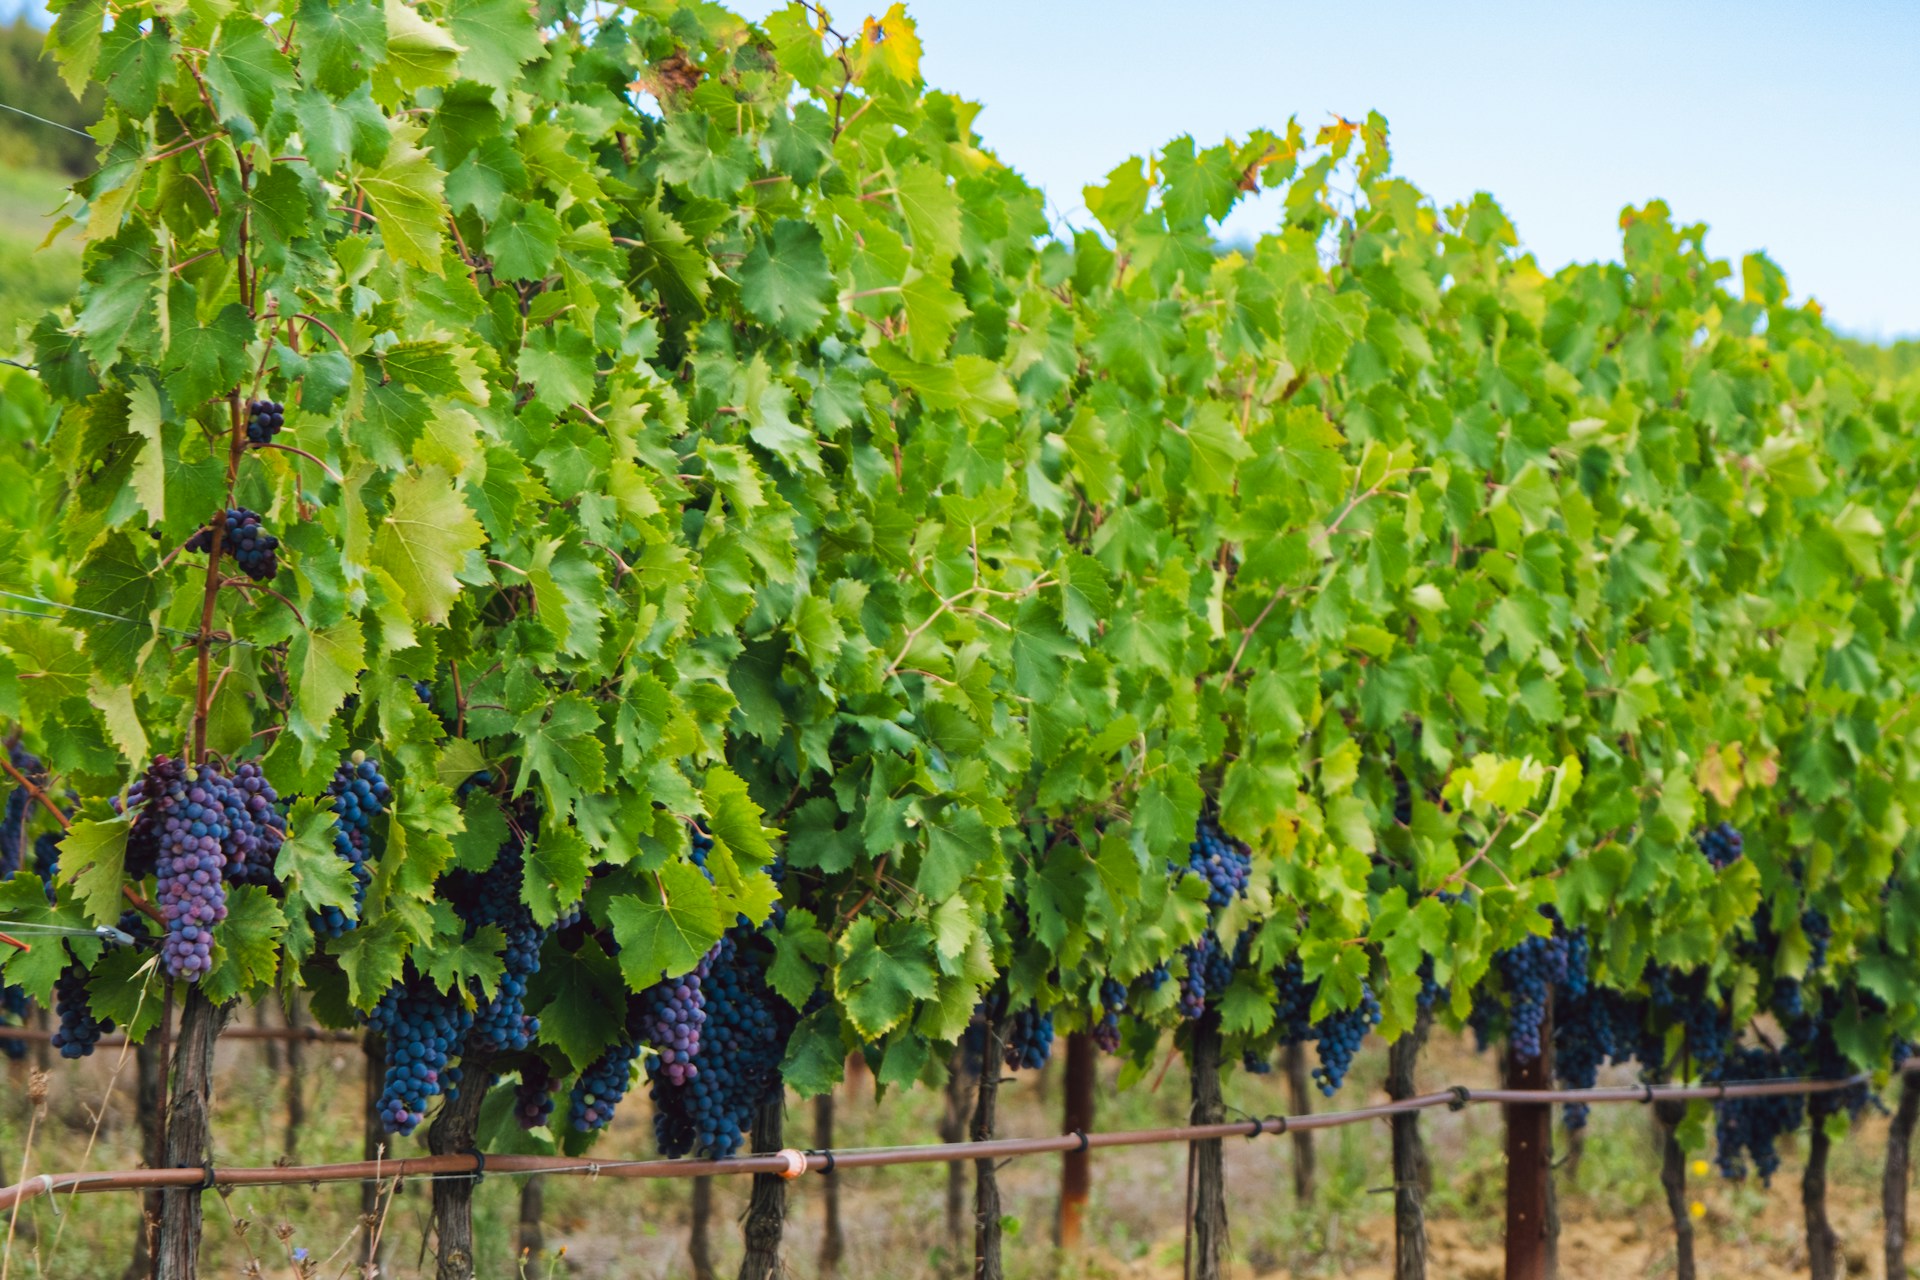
column 306, row 1035
column 793, row 1163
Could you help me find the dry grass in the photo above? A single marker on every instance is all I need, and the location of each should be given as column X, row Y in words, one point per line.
column 1615, row 1222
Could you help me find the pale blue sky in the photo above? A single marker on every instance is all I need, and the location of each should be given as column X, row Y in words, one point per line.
column 1793, row 128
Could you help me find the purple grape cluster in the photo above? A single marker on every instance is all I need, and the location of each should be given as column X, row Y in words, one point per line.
column 251, row 546
column 671, row 1014
column 1688, row 999
column 258, row 828
column 13, row 822
column 1293, row 1003
column 1721, row 844
column 1029, row 1040
column 185, row 811
column 1113, row 1002
column 1222, row 861
column 1751, row 1128
column 424, row 1029
column 1339, row 1036
column 13, row 1012
column 264, row 420
column 358, row 795
column 79, row 1031
column 1209, row 972
column 533, row 1093
column 601, row 1087
column 738, row 1065
column 1529, row 972
column 493, row 897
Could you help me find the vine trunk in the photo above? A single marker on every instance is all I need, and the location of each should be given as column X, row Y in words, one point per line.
column 1409, row 1157
column 453, row 1132
column 189, row 1134
column 767, row 1209
column 1894, row 1182
column 1206, row 1160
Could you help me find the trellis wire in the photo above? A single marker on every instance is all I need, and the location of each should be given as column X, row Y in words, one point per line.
column 795, row 1163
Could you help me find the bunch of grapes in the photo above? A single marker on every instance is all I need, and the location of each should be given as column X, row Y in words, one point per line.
column 1819, row 931
column 1029, row 1040
column 13, row 822
column 79, row 1030
column 1721, row 844
column 1113, row 1002
column 424, row 1029
column 1222, row 861
column 601, row 1087
column 533, row 1094
column 671, row 1014
column 738, row 1065
column 1209, row 974
column 1432, row 993
column 257, row 827
column 1293, row 1003
column 183, row 815
column 1590, row 1029
column 264, row 420
column 1751, row 1127
column 493, row 897
column 1530, row 970
column 251, row 546
column 46, row 859
column 358, row 795
column 1818, row 1054
column 1339, row 1035
column 13, row 1012
column 1687, row 999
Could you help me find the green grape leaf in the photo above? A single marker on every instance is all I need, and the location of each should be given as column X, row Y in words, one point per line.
column 665, row 934
column 424, row 539
column 785, row 281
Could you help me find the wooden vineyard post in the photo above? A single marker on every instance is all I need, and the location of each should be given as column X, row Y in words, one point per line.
column 1076, row 1167
column 1529, row 1162
column 1300, row 1103
column 833, row 1238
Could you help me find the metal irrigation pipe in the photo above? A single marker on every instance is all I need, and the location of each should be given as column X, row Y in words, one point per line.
column 791, row 1163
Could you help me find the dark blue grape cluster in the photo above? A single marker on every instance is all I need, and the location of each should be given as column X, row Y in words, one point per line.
column 1258, row 1064
column 1209, row 974
column 738, row 1065
column 251, row 546
column 601, row 1087
column 1223, row 862
column 1339, row 1036
column 1530, row 970
column 1029, row 1040
column 46, row 859
column 257, row 828
column 13, row 1012
column 1687, row 999
column 1432, row 994
column 1722, row 845
column 493, row 897
column 1816, row 1053
column 424, row 1028
column 13, row 822
column 1751, row 1127
column 1113, row 1002
column 264, row 420
column 79, row 1031
column 1591, row 1029
column 1293, row 1003
column 533, row 1094
column 357, row 795
column 671, row 1015
column 186, row 817
column 1819, row 931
